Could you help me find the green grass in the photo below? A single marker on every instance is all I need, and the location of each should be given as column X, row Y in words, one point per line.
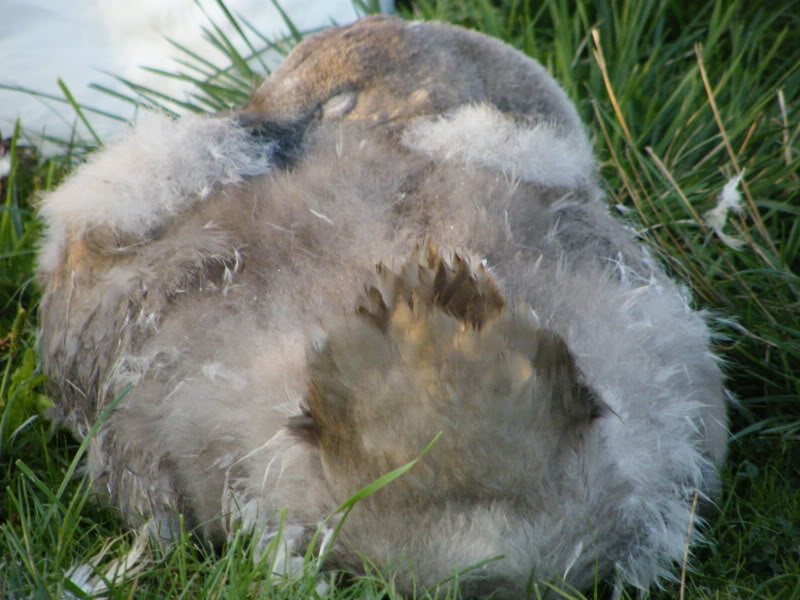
column 680, row 97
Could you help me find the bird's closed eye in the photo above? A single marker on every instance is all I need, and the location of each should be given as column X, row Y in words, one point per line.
column 339, row 105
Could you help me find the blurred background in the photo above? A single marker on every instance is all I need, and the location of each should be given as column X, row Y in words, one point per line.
column 111, row 42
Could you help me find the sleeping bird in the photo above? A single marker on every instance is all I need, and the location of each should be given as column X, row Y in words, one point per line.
column 400, row 239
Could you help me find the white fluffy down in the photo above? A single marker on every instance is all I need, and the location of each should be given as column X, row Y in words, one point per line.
column 158, row 170
column 481, row 136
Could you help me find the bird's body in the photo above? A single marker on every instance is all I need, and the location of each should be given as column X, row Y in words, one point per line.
column 231, row 278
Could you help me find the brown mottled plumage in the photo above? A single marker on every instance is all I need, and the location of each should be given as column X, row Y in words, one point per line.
column 392, row 70
column 225, row 267
column 429, row 333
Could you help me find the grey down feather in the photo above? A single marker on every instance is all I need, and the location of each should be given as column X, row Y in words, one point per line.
column 402, row 234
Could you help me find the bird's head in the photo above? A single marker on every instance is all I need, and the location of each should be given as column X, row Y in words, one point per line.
column 383, row 70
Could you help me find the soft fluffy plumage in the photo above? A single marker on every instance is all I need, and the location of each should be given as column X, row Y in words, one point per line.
column 226, row 267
